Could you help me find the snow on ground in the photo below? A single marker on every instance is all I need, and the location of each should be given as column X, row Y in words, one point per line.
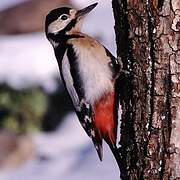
column 67, row 154
column 26, row 60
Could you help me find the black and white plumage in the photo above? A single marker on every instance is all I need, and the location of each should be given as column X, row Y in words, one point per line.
column 88, row 71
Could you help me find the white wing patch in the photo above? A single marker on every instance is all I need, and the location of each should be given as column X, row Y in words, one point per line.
column 69, row 82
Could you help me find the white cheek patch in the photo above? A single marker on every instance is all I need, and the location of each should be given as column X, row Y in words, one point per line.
column 58, row 25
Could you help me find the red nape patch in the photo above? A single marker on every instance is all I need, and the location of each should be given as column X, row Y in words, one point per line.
column 104, row 118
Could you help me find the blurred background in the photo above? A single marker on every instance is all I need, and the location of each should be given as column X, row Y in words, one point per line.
column 40, row 136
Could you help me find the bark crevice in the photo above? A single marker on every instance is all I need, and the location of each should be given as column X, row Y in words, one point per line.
column 147, row 42
column 124, row 51
column 160, row 4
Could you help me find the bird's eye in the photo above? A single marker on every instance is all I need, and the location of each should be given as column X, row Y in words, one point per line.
column 64, row 17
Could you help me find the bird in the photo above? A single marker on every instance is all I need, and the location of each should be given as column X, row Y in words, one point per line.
column 88, row 71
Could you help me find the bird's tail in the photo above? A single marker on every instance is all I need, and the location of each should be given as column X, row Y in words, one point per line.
column 99, row 148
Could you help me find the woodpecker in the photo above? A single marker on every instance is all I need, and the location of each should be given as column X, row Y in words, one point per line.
column 88, row 71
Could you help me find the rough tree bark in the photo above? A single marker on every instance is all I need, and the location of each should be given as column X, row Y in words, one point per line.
column 148, row 42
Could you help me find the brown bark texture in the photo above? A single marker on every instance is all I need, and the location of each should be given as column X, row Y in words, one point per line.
column 148, row 43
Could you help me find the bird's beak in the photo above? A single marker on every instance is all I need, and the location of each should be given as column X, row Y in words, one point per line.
column 85, row 11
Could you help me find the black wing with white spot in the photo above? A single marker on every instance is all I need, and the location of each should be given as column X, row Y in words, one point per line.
column 85, row 116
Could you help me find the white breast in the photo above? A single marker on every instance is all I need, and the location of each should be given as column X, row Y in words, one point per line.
column 94, row 71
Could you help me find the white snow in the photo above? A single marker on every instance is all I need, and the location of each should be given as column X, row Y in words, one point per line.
column 68, row 155
column 26, row 60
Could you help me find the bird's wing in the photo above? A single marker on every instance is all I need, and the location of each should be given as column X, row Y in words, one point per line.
column 84, row 111
column 85, row 116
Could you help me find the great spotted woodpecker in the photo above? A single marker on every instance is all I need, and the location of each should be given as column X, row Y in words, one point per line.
column 88, row 71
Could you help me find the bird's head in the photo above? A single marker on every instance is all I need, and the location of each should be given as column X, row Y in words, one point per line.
column 65, row 20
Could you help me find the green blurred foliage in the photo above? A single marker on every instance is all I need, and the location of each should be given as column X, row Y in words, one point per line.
column 22, row 110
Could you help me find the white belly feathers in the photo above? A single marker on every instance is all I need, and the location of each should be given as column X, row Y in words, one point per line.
column 95, row 74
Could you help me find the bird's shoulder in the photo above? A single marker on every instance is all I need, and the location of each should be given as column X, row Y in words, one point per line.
column 84, row 41
column 89, row 45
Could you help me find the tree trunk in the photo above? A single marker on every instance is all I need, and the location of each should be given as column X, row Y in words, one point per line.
column 147, row 35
